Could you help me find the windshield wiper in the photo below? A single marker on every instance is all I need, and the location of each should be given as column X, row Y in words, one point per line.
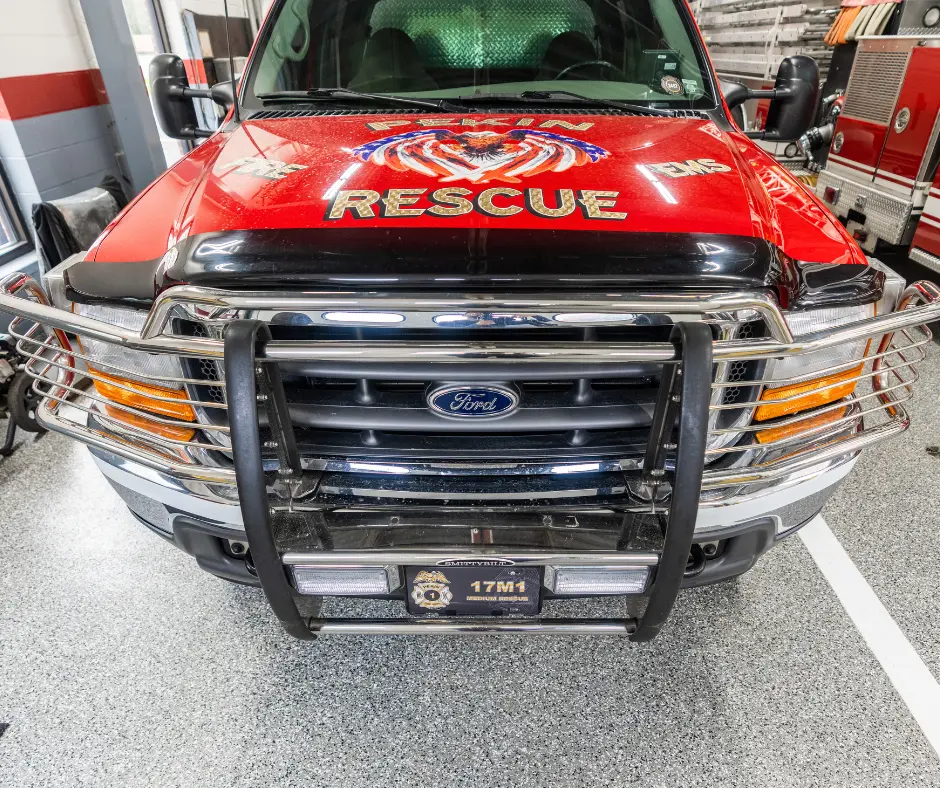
column 542, row 96
column 342, row 94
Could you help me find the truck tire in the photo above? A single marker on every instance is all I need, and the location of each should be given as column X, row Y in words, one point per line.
column 22, row 403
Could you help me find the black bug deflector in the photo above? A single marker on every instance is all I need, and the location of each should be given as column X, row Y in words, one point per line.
column 254, row 387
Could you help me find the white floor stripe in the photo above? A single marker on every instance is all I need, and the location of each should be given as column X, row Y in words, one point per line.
column 910, row 676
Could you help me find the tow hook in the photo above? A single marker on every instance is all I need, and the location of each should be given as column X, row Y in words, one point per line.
column 696, row 562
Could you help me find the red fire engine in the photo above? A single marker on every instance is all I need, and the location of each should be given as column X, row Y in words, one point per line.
column 925, row 248
column 884, row 153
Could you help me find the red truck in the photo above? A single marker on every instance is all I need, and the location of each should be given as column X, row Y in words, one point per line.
column 474, row 306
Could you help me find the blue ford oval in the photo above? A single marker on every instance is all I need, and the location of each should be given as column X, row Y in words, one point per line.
column 473, row 401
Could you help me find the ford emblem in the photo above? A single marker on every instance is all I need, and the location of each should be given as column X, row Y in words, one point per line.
column 473, row 401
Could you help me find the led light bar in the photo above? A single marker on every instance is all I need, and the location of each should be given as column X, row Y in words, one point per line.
column 346, row 580
column 596, row 580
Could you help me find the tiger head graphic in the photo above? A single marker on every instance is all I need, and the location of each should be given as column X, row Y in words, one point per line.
column 479, row 156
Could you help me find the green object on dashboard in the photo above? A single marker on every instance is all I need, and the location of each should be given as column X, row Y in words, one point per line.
column 483, row 33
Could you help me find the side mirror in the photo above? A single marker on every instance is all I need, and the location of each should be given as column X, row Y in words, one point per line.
column 735, row 93
column 794, row 99
column 793, row 108
column 173, row 98
column 223, row 94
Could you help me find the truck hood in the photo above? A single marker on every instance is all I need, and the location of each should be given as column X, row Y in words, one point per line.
column 596, row 172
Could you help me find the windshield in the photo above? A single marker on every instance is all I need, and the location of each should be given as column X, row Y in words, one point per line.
column 637, row 51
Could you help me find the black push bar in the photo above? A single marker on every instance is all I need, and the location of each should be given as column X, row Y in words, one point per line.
column 253, row 385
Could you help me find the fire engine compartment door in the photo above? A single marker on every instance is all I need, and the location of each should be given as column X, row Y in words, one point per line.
column 909, row 155
column 870, row 99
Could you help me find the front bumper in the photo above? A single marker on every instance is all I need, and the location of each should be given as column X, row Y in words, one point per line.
column 739, row 529
column 160, row 499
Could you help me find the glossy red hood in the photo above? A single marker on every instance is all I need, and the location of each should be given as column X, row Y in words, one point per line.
column 558, row 172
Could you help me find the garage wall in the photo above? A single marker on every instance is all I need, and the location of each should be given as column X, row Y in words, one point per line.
column 55, row 120
column 184, row 39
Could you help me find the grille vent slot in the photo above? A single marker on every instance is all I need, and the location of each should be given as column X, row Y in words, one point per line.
column 874, row 86
column 269, row 114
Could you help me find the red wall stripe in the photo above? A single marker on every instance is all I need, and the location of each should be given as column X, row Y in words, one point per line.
column 44, row 94
column 195, row 72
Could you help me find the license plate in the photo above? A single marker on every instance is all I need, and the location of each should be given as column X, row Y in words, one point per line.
column 474, row 590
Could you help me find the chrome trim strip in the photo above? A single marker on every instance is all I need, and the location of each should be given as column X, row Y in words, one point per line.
column 521, row 494
column 456, row 353
column 206, row 304
column 472, row 626
column 398, row 468
column 429, row 557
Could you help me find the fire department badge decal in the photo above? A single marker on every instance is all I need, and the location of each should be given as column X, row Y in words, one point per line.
column 431, row 590
column 479, row 156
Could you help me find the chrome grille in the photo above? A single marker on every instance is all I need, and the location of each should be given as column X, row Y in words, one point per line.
column 363, row 415
column 874, row 85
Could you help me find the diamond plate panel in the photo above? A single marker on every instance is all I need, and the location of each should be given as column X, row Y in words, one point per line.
column 887, row 216
column 874, row 85
column 493, row 33
column 925, row 258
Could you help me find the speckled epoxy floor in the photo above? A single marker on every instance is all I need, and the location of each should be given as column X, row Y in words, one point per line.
column 122, row 664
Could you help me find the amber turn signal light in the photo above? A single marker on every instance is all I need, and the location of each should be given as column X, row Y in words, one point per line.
column 141, row 396
column 801, row 426
column 148, row 425
column 811, row 394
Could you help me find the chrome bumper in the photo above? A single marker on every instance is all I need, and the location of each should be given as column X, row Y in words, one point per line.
column 160, row 498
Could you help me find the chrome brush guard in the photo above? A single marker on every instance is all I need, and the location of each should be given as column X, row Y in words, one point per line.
column 252, row 451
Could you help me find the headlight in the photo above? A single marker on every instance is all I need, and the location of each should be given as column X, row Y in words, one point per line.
column 843, row 364
column 126, row 378
column 122, row 361
column 811, row 321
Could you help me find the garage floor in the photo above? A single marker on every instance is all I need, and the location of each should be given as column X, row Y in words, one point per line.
column 122, row 664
